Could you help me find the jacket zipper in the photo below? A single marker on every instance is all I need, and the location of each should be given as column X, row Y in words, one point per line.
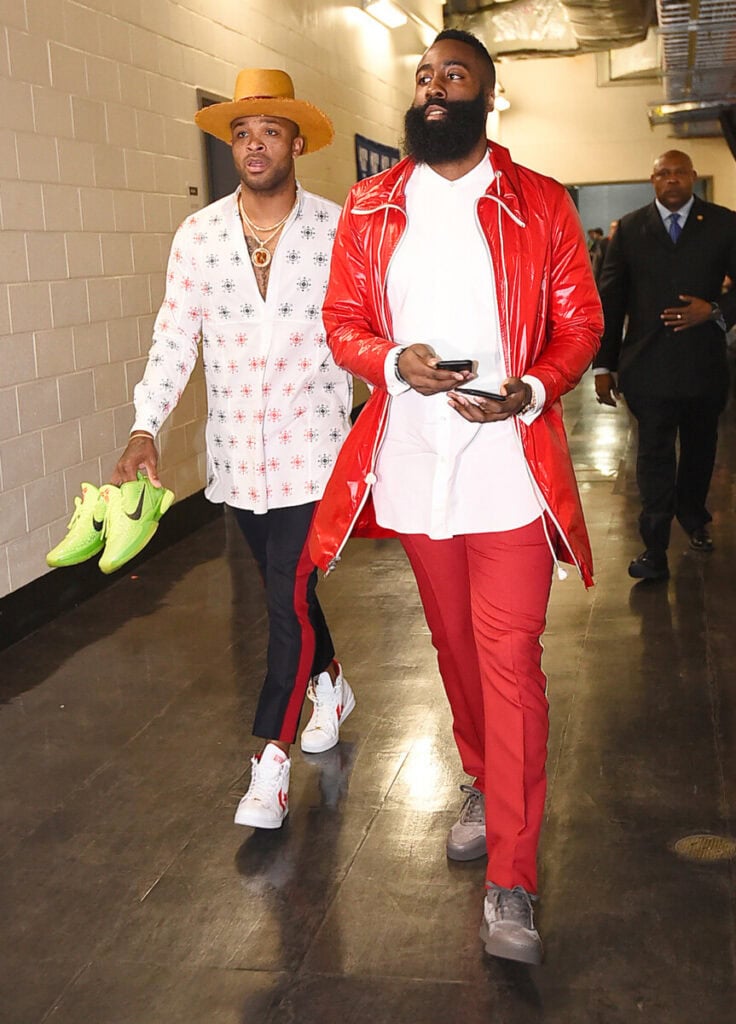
column 365, row 213
column 561, row 573
column 364, row 499
column 381, row 426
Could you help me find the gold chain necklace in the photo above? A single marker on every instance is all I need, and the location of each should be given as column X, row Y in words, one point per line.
column 261, row 257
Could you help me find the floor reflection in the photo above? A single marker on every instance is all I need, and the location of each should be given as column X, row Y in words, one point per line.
column 129, row 897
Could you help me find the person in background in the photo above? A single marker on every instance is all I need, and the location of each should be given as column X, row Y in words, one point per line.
column 602, row 250
column 664, row 349
column 596, row 251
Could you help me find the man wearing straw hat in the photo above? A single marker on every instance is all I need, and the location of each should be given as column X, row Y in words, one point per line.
column 247, row 275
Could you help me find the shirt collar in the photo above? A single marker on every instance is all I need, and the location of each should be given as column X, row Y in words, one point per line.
column 475, row 182
column 682, row 213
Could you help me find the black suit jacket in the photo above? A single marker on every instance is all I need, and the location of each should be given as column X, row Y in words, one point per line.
column 644, row 273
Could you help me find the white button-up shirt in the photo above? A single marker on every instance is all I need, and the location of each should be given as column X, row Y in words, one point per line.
column 683, row 213
column 438, row 474
column 278, row 406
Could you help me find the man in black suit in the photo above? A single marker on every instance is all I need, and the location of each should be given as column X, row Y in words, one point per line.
column 664, row 269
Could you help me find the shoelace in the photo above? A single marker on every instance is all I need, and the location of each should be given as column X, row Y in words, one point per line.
column 473, row 811
column 263, row 783
column 514, row 905
column 323, row 708
column 111, row 509
column 76, row 513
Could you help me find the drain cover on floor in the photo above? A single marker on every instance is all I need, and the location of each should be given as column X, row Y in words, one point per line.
column 706, row 847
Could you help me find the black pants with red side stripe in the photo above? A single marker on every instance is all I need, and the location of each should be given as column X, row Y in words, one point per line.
column 299, row 642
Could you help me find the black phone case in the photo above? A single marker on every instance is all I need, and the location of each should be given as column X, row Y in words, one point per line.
column 455, row 364
column 481, row 394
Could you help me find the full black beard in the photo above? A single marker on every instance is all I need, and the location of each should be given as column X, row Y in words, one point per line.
column 453, row 138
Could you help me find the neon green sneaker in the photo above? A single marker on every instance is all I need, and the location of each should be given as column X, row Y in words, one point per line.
column 133, row 513
column 85, row 532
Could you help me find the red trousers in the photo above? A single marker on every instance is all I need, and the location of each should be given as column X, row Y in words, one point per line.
column 485, row 598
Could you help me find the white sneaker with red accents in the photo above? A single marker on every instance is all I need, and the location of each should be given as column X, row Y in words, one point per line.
column 332, row 705
column 266, row 803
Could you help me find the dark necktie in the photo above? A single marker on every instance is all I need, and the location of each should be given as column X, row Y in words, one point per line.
column 674, row 226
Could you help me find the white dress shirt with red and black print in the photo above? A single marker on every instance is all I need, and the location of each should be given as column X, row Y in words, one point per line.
column 278, row 406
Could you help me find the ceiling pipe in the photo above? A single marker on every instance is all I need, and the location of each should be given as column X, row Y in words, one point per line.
column 552, row 27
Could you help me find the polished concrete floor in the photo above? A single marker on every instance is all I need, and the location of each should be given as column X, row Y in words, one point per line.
column 127, row 895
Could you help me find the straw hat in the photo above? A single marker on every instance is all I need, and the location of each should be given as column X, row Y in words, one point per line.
column 261, row 91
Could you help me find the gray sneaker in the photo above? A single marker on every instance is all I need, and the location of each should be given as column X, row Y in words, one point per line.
column 466, row 840
column 507, row 928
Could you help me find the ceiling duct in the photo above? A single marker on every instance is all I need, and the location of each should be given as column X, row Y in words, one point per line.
column 553, row 28
column 694, row 47
column 699, row 65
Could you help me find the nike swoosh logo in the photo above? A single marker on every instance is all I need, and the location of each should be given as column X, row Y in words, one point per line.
column 139, row 507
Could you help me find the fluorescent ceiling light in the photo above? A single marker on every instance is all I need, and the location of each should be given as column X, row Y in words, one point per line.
column 386, row 12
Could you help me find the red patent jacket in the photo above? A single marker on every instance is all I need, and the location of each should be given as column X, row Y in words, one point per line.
column 550, row 319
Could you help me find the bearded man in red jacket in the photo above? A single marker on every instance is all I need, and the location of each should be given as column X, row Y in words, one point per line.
column 461, row 292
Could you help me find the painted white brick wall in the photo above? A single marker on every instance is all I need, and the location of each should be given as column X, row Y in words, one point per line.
column 97, row 151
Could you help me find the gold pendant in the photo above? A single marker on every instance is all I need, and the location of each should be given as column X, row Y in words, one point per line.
column 261, row 257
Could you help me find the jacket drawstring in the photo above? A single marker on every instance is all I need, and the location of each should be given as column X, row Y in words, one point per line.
column 561, row 573
column 501, row 203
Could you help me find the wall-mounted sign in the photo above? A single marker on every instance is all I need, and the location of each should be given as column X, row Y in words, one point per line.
column 372, row 157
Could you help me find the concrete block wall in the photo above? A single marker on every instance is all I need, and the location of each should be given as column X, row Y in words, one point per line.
column 98, row 150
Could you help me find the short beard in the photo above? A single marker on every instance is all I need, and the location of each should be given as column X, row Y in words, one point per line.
column 452, row 138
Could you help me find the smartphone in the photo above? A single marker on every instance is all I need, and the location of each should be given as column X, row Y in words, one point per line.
column 456, row 365
column 481, row 394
